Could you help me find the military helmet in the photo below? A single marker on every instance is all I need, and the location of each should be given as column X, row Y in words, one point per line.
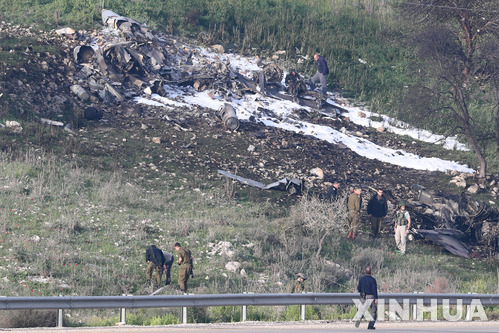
column 401, row 203
column 302, row 275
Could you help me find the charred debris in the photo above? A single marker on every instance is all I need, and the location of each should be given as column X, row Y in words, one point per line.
column 126, row 60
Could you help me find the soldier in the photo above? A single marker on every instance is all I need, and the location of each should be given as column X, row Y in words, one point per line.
column 185, row 263
column 354, row 204
column 298, row 285
column 294, row 84
column 156, row 261
column 402, row 226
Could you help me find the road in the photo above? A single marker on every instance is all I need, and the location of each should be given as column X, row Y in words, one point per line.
column 301, row 327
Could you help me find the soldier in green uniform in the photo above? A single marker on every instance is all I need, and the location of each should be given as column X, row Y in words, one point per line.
column 298, row 285
column 294, row 84
column 354, row 205
column 185, row 263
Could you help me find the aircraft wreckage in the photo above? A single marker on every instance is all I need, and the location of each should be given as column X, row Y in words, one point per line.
column 129, row 60
column 464, row 226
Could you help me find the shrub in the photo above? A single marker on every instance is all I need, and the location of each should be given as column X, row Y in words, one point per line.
column 28, row 318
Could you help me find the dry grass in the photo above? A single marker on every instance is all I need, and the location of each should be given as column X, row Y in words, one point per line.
column 79, row 232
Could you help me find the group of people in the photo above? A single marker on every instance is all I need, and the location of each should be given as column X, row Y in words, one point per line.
column 295, row 85
column 377, row 209
column 162, row 261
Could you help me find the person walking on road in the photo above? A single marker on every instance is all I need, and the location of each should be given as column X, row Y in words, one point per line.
column 368, row 290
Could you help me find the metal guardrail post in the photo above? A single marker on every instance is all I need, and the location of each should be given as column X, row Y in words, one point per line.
column 244, row 312
column 302, row 310
column 60, row 317
column 184, row 313
column 123, row 314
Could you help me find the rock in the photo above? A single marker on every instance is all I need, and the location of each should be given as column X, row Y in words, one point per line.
column 459, row 180
column 318, row 172
column 92, row 113
column 473, row 189
column 66, row 31
column 14, row 126
column 218, row 48
column 233, row 266
column 380, row 129
column 156, row 139
column 361, row 114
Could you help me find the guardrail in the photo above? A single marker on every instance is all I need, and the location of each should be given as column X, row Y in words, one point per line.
column 132, row 302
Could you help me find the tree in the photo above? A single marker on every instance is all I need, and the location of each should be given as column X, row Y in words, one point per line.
column 456, row 42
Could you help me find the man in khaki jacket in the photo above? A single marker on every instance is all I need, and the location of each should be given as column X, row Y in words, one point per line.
column 354, row 204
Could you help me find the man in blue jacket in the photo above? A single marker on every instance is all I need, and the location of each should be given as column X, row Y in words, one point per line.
column 321, row 75
column 368, row 289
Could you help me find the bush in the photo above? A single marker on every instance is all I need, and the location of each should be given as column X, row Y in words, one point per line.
column 28, row 318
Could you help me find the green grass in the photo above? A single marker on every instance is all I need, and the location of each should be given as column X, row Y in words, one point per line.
column 86, row 233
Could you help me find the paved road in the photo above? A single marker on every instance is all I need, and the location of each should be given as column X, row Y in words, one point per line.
column 302, row 327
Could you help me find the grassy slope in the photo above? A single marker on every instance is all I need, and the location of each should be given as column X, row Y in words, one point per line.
column 85, row 220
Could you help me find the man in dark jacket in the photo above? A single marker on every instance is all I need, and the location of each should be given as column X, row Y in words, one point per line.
column 368, row 289
column 321, row 75
column 156, row 262
column 332, row 192
column 377, row 209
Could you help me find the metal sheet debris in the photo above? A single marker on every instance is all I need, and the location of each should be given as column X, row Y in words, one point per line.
column 292, row 186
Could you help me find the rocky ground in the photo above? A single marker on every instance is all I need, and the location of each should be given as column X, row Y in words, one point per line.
column 38, row 69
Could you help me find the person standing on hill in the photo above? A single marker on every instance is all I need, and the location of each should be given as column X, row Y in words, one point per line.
column 168, row 267
column 402, row 226
column 294, row 84
column 156, row 261
column 354, row 204
column 185, row 263
column 332, row 192
column 321, row 75
column 298, row 286
column 377, row 209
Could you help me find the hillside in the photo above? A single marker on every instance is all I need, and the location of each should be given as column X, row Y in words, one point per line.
column 81, row 203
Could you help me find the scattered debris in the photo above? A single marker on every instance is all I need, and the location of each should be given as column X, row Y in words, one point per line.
column 292, row 186
column 228, row 116
column 453, row 220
